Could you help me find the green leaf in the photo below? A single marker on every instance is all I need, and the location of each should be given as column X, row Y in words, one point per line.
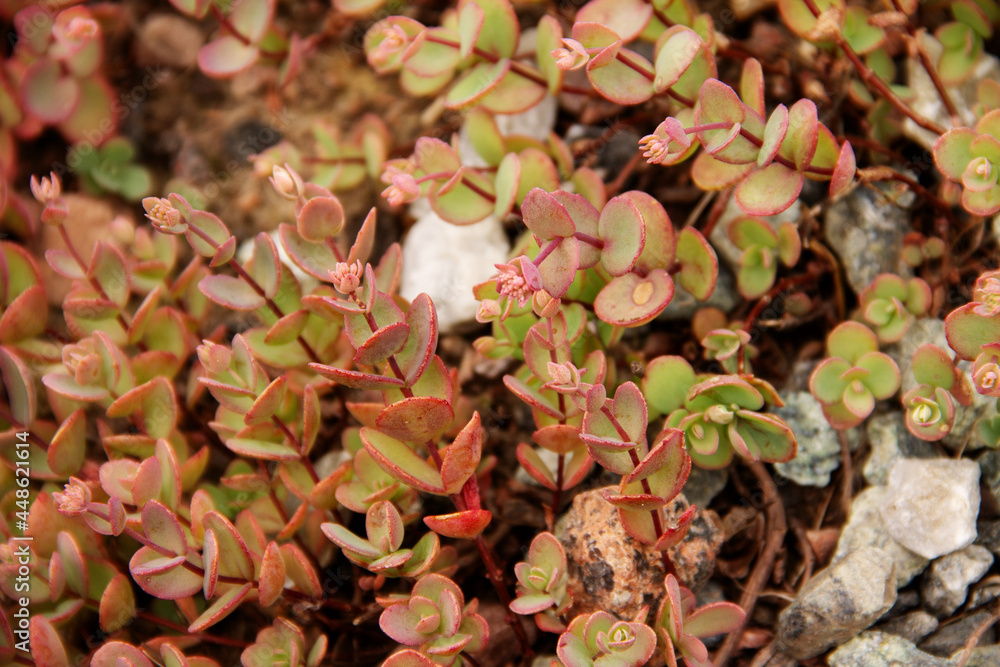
column 623, row 231
column 476, row 83
column 397, row 459
column 667, row 382
column 699, row 264
column 769, row 191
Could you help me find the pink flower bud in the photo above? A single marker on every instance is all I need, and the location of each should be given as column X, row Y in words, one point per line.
column 46, row 190
column 74, row 499
column 574, row 56
column 346, row 278
column 287, row 182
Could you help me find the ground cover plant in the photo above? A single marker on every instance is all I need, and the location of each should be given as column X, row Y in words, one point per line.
column 228, row 439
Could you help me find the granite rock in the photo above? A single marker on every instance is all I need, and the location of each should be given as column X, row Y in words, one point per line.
column 912, row 626
column 819, row 445
column 890, row 441
column 610, row 570
column 951, row 637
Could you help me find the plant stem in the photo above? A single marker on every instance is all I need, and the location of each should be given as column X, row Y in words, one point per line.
column 668, row 564
column 762, row 302
column 32, row 438
column 932, row 72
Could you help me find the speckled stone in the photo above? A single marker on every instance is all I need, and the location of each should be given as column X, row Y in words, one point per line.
column 881, row 649
column 912, row 626
column 890, row 441
column 610, row 570
column 946, row 583
column 819, row 446
column 865, row 527
column 981, row 656
column 837, row 603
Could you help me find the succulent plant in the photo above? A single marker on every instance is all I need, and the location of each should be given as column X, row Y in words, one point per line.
column 930, row 406
column 381, row 552
column 541, row 583
column 435, row 617
column 762, row 249
column 597, row 639
column 682, row 627
column 854, row 375
column 971, row 156
column 890, row 304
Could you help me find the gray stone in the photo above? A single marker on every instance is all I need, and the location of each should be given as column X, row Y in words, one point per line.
column 951, row 637
column 981, row 656
column 683, row 306
column 989, row 535
column 927, row 102
column 989, row 463
column 445, row 260
column 819, row 445
column 837, row 603
column 865, row 528
column 704, row 484
column 890, row 441
column 912, row 626
column 946, row 582
column 984, row 592
column 930, row 505
column 866, row 230
column 881, row 649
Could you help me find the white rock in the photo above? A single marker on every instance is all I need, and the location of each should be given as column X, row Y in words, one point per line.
column 445, row 261
column 930, row 505
column 890, row 442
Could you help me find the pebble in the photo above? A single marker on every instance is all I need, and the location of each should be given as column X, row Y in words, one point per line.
column 882, row 649
column 946, row 583
column 866, row 231
column 837, row 603
column 610, row 570
column 890, row 441
column 951, row 637
column 865, row 527
column 981, row 656
column 912, row 626
column 445, row 260
column 819, row 446
column 704, row 484
column 930, row 505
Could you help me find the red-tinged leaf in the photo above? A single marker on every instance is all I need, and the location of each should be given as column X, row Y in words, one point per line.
column 639, row 502
column 211, row 232
column 311, row 418
column 769, row 191
column 226, row 56
column 221, row 608
column 752, row 85
column 46, row 647
column 267, row 403
column 623, row 231
column 300, row 571
column 356, row 379
column 714, row 618
column 265, row 266
column 422, row 340
column 626, row 80
column 673, row 536
column 231, row 292
column 968, row 331
column 63, row 263
column 627, row 18
column 699, row 264
column 20, row 386
column 119, row 654
column 577, row 468
column 68, row 447
column 174, row 583
column 77, row 577
column 461, row 458
column 320, row 218
column 382, row 344
column 117, row 607
column 225, row 253
column 460, row 525
column 287, row 329
column 25, row 316
column 558, row 438
column 535, row 466
column 107, row 268
column 157, row 403
column 147, row 482
column 162, row 528
column 401, row 462
column 545, row 216
column 272, row 575
column 418, row 419
column 389, row 269
column 470, row 24
column 316, row 259
column 532, row 397
column 48, row 93
column 364, row 242
column 408, row 658
column 631, row 300
column 264, row 449
column 475, row 84
column 234, row 555
column 844, row 171
column 210, row 563
column 668, row 455
column 711, row 174
column 800, row 142
column 774, row 134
